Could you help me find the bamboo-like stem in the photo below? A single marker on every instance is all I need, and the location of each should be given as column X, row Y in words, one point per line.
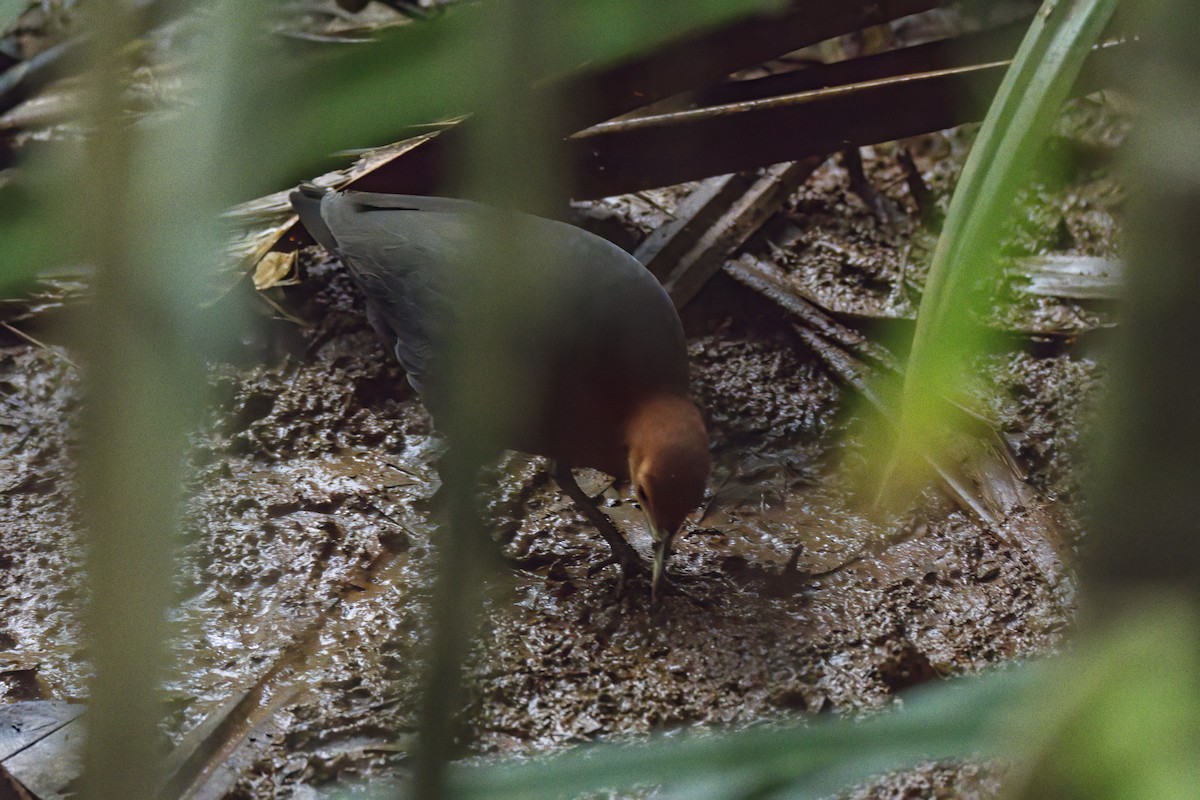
column 1146, row 510
column 132, row 448
column 509, row 163
column 147, row 219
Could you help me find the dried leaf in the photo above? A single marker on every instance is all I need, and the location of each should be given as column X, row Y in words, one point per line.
column 273, row 269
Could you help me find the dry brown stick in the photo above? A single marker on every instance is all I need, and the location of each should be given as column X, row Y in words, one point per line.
column 770, row 282
column 11, row 787
column 659, row 149
column 207, row 762
column 709, row 57
column 696, row 213
column 38, row 343
column 745, row 215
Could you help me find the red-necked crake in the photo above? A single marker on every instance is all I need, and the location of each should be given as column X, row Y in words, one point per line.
column 613, row 389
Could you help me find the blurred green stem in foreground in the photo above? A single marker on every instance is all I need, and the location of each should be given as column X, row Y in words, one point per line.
column 512, row 161
column 132, row 446
column 146, row 217
column 1146, row 500
column 509, row 163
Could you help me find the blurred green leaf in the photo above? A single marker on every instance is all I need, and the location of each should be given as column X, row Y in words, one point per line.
column 1120, row 718
column 26, row 241
column 32, row 235
column 1018, row 121
column 142, row 209
column 1145, row 508
column 291, row 109
column 10, row 9
column 952, row 720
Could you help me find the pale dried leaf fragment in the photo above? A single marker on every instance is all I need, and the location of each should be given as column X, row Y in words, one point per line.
column 275, row 269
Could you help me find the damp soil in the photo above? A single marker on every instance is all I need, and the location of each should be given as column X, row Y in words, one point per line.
column 310, row 540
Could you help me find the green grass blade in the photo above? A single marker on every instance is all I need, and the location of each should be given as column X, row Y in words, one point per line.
column 1031, row 95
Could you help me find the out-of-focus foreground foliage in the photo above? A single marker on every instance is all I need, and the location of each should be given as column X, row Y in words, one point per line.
column 1116, row 718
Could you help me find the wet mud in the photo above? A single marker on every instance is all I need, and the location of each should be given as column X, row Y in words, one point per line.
column 310, row 544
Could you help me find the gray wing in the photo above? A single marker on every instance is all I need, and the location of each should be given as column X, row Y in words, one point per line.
column 408, row 307
column 403, row 251
column 400, row 249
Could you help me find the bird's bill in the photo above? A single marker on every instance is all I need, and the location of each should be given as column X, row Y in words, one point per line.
column 662, row 554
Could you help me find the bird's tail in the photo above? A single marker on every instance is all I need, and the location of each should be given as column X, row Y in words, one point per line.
column 306, row 199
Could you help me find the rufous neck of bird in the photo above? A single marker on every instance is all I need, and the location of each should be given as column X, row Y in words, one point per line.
column 668, row 459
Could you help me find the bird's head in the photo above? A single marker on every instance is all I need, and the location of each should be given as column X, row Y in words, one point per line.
column 668, row 465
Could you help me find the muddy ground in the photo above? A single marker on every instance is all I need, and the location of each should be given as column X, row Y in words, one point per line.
column 309, row 547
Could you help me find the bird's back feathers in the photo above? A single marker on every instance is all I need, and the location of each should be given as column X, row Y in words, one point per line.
column 600, row 327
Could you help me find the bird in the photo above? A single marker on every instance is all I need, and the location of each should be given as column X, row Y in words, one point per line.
column 612, row 389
